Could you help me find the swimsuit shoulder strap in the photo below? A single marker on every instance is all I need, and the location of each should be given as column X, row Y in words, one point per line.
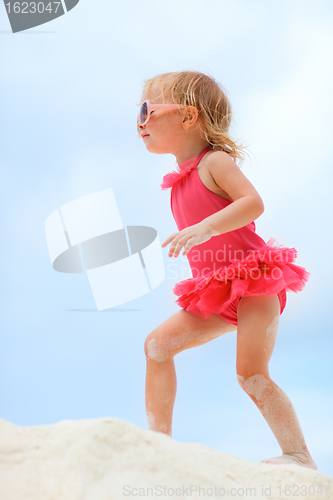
column 201, row 155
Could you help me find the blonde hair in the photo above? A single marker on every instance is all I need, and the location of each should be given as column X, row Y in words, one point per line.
column 191, row 88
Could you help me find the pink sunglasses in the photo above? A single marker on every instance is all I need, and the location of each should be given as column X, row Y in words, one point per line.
column 147, row 108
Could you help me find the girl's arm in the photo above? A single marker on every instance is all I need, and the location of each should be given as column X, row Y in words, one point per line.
column 247, row 204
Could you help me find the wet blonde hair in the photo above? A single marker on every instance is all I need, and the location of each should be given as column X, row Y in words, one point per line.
column 191, row 88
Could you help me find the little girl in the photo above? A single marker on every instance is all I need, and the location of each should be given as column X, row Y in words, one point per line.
column 239, row 282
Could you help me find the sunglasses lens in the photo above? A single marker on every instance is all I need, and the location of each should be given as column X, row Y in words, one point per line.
column 143, row 113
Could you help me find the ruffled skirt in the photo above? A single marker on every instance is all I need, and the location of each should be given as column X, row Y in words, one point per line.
column 266, row 271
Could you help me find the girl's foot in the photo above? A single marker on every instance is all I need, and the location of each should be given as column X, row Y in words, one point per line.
column 303, row 459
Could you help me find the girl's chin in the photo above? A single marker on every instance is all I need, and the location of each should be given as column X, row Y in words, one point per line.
column 154, row 149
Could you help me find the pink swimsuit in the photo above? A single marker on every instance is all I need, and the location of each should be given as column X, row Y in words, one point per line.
column 231, row 265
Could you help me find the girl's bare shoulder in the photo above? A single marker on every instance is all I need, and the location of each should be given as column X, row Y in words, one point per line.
column 220, row 160
column 227, row 176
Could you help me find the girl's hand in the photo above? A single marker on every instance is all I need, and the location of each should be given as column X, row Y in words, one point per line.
column 189, row 237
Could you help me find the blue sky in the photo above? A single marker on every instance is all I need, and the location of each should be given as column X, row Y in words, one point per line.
column 69, row 91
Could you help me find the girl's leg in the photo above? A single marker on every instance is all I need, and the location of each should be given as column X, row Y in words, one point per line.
column 181, row 331
column 258, row 319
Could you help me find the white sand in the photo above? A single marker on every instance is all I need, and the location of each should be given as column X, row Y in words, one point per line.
column 110, row 459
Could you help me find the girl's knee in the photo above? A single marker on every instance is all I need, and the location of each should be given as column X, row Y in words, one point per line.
column 254, row 385
column 157, row 348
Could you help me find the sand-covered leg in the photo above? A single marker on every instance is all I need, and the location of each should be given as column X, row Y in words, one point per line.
column 183, row 330
column 258, row 319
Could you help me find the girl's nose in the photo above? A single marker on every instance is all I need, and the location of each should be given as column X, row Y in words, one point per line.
column 139, row 128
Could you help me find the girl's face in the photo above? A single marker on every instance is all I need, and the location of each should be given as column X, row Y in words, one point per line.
column 164, row 132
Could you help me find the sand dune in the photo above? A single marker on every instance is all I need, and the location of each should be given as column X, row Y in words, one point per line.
column 110, row 459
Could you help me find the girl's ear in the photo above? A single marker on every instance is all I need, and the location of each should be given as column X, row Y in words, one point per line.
column 190, row 116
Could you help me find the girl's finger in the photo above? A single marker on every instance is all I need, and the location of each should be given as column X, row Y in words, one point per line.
column 176, row 248
column 170, row 238
column 188, row 247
